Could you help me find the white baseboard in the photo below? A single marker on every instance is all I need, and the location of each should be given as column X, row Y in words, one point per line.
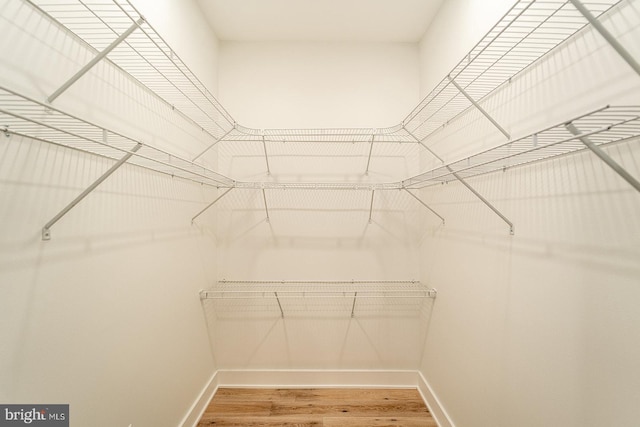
column 197, row 409
column 317, row 378
column 433, row 403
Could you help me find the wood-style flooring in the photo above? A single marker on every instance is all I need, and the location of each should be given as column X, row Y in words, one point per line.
column 328, row 407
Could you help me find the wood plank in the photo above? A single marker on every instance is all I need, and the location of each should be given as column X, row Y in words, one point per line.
column 285, row 421
column 237, row 408
column 348, row 408
column 255, row 394
column 378, row 422
column 357, row 394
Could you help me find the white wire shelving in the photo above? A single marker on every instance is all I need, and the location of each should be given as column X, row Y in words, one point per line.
column 527, row 32
column 347, row 297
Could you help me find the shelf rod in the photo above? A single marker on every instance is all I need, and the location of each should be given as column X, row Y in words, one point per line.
column 366, row 172
column 279, row 305
column 266, row 156
column 46, row 230
column 424, row 204
column 211, row 204
column 422, row 143
column 615, row 44
column 266, row 208
column 482, row 110
column 95, row 60
column 604, row 157
column 485, row 201
column 353, row 306
column 213, row 144
column 373, row 192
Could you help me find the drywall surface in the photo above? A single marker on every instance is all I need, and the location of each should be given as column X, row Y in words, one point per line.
column 105, row 316
column 313, row 234
column 310, row 85
column 540, row 328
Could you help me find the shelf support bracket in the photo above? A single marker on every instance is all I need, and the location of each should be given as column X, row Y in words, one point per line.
column 604, row 156
column 279, row 305
column 211, row 204
column 485, row 201
column 95, row 60
column 615, row 44
column 373, row 137
column 46, row 230
column 266, row 208
column 213, row 144
column 373, row 193
column 423, row 204
column 422, row 143
column 482, row 110
column 353, row 306
column 266, row 155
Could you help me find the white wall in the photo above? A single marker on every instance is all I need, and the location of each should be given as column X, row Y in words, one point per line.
column 106, row 315
column 318, row 235
column 306, row 85
column 540, row 328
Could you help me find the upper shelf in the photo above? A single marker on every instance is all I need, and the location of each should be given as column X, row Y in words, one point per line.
column 28, row 117
column 529, row 30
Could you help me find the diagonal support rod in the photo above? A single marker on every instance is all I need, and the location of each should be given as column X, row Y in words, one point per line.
column 46, row 230
column 373, row 193
column 266, row 208
column 211, row 204
column 95, row 60
column 482, row 110
column 213, row 144
column 423, row 204
column 485, row 201
column 373, row 137
column 279, row 305
column 353, row 306
column 604, row 156
column 422, row 143
column 266, row 156
column 615, row 44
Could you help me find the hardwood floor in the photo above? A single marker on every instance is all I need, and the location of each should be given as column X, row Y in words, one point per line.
column 328, row 407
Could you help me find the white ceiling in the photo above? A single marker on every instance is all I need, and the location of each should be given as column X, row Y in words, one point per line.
column 320, row 20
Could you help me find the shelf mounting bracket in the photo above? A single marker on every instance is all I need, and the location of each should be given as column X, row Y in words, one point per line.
column 214, row 143
column 95, row 60
column 604, row 156
column 353, row 306
column 615, row 44
column 373, row 193
column 46, row 230
column 266, row 155
column 266, row 208
column 479, row 108
column 422, row 143
column 373, row 137
column 423, row 204
column 485, row 201
column 211, row 204
column 279, row 305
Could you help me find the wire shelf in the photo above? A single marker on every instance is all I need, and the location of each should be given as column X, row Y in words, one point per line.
column 604, row 126
column 143, row 54
column 28, row 117
column 304, row 297
column 527, row 32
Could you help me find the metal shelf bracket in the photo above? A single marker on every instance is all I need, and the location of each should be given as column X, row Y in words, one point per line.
column 46, row 230
column 211, row 204
column 95, row 60
column 604, row 156
column 424, row 204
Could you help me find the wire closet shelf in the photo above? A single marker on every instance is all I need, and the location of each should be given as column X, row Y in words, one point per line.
column 289, row 296
column 528, row 31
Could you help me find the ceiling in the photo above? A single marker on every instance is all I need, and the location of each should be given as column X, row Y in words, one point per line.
column 320, row 20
